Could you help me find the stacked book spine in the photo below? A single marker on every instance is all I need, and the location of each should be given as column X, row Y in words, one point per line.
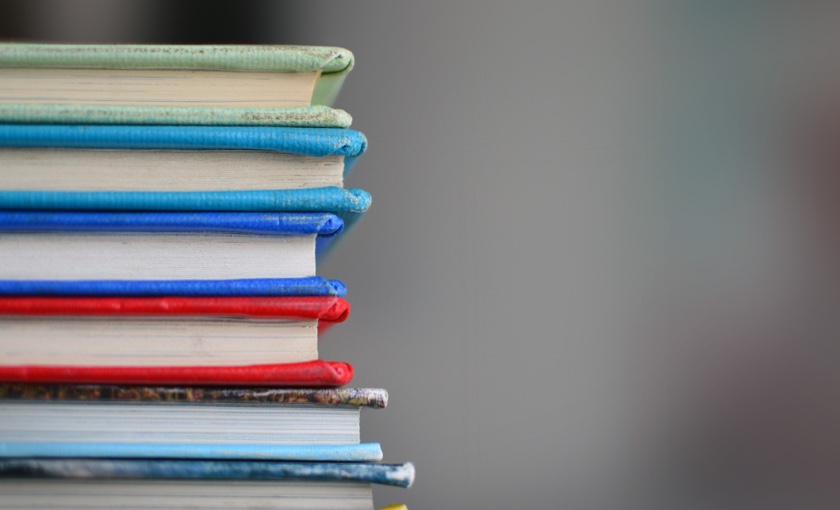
column 162, row 211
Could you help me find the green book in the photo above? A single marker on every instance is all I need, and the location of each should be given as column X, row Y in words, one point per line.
column 197, row 85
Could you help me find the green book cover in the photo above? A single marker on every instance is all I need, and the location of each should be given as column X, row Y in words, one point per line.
column 331, row 63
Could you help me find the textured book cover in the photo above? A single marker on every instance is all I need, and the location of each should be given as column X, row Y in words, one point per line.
column 365, row 452
column 331, row 64
column 312, row 142
column 311, row 374
column 355, row 397
column 349, row 205
column 253, row 287
column 324, row 225
column 398, row 475
column 321, row 308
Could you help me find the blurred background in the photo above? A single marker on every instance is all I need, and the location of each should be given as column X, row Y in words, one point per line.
column 600, row 266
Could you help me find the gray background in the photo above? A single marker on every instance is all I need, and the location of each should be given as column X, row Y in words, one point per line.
column 507, row 284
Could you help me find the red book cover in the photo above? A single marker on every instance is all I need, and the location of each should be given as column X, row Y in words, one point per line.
column 326, row 309
column 308, row 374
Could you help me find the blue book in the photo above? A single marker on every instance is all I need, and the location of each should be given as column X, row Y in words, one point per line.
column 312, row 286
column 315, row 142
column 397, row 475
column 365, row 452
column 180, row 168
column 155, row 246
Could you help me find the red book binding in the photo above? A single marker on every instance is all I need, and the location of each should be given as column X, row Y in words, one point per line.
column 309, row 374
column 326, row 309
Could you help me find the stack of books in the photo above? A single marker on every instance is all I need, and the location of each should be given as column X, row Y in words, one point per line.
column 162, row 209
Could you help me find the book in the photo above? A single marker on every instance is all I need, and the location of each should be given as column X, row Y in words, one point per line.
column 97, row 417
column 164, row 331
column 44, row 157
column 169, row 84
column 396, row 475
column 254, row 287
column 95, row 483
column 348, row 204
column 161, row 245
column 306, row 374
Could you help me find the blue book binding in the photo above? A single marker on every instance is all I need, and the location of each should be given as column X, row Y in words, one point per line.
column 366, row 452
column 398, row 475
column 326, row 226
column 348, row 204
column 312, row 286
column 315, row 142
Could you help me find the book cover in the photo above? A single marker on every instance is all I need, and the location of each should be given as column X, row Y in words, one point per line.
column 355, row 397
column 253, row 287
column 332, row 63
column 349, row 205
column 324, row 225
column 365, row 452
column 315, row 374
column 314, row 142
column 321, row 308
column 397, row 475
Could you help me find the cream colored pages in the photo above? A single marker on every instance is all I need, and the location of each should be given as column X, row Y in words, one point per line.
column 123, row 87
column 164, row 170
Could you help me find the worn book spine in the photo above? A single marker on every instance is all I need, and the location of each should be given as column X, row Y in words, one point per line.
column 355, row 397
column 398, row 475
column 301, row 117
column 311, row 374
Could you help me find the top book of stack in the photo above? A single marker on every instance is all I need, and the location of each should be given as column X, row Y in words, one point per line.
column 164, row 85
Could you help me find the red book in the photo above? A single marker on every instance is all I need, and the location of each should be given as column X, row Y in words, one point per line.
column 309, row 374
column 169, row 340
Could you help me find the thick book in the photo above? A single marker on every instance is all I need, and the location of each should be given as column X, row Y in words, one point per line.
column 66, row 420
column 161, row 246
column 249, row 287
column 168, row 84
column 84, row 158
column 169, row 331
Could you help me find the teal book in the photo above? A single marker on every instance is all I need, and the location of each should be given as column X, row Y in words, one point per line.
column 180, row 168
column 159, row 84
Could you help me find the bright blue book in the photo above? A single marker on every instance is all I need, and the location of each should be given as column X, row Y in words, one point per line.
column 315, row 142
column 312, row 286
column 365, row 452
column 397, row 475
column 155, row 246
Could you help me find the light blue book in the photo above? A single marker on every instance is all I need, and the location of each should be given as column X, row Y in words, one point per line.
column 365, row 452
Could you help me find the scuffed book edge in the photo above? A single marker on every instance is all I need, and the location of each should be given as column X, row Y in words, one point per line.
column 397, row 475
column 374, row 398
column 268, row 58
column 316, row 116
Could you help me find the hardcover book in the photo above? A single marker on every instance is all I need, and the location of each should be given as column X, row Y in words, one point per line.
column 65, row 420
column 86, row 158
column 161, row 246
column 234, row 85
column 146, row 332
